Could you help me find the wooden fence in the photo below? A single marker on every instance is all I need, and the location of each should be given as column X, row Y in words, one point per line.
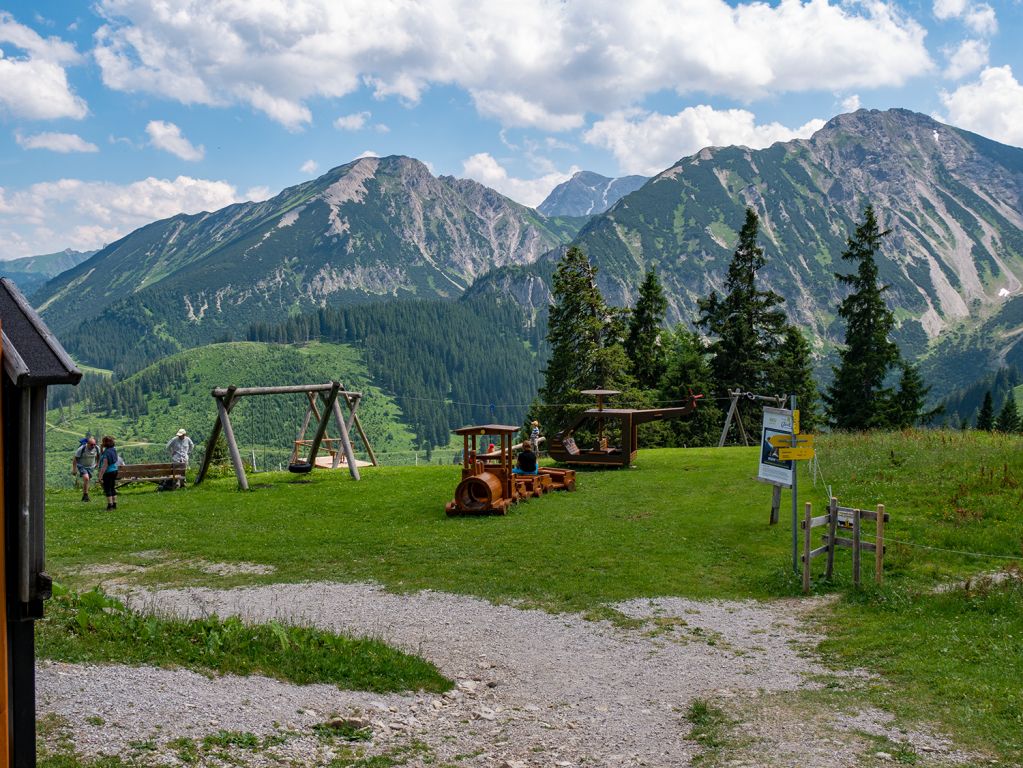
column 844, row 519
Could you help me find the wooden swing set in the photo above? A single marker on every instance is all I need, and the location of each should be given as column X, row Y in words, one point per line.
column 324, row 404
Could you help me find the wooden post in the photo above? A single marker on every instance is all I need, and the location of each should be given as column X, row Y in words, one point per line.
column 807, row 522
column 879, row 546
column 728, row 418
column 856, row 546
column 832, row 532
column 775, row 504
column 346, row 442
column 224, row 408
column 5, row 741
column 208, row 455
column 321, row 429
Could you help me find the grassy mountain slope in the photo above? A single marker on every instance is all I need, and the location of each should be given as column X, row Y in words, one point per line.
column 376, row 227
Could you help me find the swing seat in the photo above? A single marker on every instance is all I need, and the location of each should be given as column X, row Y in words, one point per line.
column 300, row 467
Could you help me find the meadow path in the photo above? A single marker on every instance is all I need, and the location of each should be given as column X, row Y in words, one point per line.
column 533, row 688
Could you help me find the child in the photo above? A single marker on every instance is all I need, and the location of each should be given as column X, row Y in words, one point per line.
column 534, row 436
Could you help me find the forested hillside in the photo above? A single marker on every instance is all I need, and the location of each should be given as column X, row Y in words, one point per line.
column 447, row 364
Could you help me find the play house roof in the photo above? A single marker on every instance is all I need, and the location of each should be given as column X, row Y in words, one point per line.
column 487, row 429
column 32, row 355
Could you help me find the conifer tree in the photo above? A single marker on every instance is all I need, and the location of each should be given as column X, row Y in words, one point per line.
column 857, row 398
column 1008, row 417
column 746, row 323
column 585, row 337
column 643, row 343
column 907, row 404
column 794, row 376
column 688, row 370
column 986, row 414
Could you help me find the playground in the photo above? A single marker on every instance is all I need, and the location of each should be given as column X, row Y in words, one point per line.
column 652, row 616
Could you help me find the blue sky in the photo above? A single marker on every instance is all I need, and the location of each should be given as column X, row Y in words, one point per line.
column 114, row 113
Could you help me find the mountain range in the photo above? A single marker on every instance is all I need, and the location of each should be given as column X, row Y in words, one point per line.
column 386, row 227
column 588, row 193
column 30, row 272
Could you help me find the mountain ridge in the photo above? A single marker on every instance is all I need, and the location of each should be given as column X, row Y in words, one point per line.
column 588, row 193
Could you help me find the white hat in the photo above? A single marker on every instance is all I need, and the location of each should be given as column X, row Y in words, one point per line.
column 181, row 433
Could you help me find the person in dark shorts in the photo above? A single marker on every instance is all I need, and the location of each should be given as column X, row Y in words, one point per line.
column 527, row 461
column 84, row 464
column 108, row 461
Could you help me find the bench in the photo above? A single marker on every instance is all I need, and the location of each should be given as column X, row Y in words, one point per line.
column 151, row 473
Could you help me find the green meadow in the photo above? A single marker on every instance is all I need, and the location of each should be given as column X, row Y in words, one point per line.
column 690, row 523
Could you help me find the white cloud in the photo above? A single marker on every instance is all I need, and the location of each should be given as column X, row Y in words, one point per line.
column 949, row 9
column 991, row 106
column 968, row 57
column 851, row 103
column 33, row 84
column 532, row 63
column 648, row 142
column 257, row 194
column 93, row 214
column 367, row 153
column 168, row 137
column 485, row 169
column 353, row 122
column 309, row 166
column 981, row 19
column 56, row 142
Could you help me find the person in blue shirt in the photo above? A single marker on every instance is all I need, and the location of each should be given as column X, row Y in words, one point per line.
column 108, row 461
column 527, row 461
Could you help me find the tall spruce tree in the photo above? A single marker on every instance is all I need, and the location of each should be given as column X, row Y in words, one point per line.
column 794, row 376
column 642, row 344
column 906, row 408
column 585, row 337
column 857, row 398
column 746, row 323
column 688, row 370
column 1008, row 417
column 986, row 414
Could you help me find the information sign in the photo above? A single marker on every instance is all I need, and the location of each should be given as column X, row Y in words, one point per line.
column 774, row 469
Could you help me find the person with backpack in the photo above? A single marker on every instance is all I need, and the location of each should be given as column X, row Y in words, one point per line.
column 85, row 462
column 108, row 465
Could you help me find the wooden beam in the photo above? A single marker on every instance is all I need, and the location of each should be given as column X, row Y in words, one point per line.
column 5, row 737
column 881, row 517
column 807, row 526
column 321, row 429
column 346, row 443
column 232, row 445
column 857, row 546
column 289, row 390
column 775, row 504
column 832, row 524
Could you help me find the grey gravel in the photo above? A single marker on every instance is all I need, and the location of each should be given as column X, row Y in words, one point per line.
column 532, row 687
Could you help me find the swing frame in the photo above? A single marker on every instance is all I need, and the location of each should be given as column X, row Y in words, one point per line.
column 228, row 397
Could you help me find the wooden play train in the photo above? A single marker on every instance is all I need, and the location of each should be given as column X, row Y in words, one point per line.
column 488, row 485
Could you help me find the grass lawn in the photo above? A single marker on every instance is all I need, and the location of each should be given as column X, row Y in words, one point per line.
column 683, row 522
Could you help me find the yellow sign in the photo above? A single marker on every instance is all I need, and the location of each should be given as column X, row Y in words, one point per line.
column 785, row 441
column 795, row 422
column 788, row 454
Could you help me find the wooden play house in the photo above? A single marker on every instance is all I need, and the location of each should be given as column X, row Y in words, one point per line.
column 564, row 449
column 488, row 485
column 32, row 360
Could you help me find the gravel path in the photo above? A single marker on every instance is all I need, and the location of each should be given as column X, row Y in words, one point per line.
column 533, row 688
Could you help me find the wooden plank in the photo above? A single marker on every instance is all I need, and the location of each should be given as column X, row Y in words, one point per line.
column 830, row 536
column 807, row 525
column 857, row 548
column 866, row 546
column 289, row 390
column 819, row 551
column 816, row 522
column 775, row 504
column 880, row 517
column 5, row 715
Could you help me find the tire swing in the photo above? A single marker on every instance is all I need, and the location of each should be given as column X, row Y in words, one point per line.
column 300, row 467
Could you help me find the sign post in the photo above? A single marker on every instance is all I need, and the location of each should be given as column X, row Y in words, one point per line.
column 795, row 489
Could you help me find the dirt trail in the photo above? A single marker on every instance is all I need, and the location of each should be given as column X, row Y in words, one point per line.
column 533, row 688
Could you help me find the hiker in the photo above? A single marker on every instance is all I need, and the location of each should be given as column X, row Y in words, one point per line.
column 180, row 448
column 84, row 463
column 534, row 436
column 108, row 465
column 527, row 462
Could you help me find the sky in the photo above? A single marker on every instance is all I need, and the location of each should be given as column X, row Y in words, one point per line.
column 115, row 113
